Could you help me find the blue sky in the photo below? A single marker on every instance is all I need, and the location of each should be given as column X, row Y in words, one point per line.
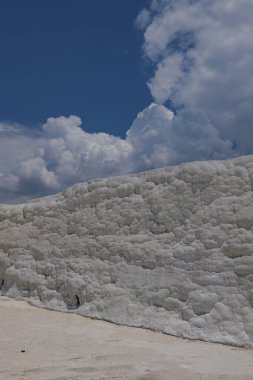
column 98, row 88
column 77, row 57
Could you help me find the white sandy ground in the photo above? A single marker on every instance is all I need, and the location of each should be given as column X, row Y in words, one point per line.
column 65, row 346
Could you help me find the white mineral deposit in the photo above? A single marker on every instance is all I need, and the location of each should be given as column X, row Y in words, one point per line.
column 170, row 250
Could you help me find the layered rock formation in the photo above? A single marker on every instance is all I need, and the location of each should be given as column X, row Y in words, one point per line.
column 170, row 249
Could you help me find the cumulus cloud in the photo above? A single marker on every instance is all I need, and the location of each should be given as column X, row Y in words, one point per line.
column 62, row 153
column 160, row 138
column 202, row 51
column 202, row 54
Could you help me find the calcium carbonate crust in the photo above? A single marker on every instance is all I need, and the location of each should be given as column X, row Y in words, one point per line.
column 169, row 249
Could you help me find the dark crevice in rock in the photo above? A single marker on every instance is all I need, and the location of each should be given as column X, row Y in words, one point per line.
column 77, row 301
column 74, row 303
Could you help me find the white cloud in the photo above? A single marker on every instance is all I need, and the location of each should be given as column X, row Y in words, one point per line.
column 203, row 54
column 76, row 155
column 159, row 138
column 143, row 18
column 63, row 153
column 167, row 79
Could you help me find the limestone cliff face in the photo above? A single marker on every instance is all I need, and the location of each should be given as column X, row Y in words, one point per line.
column 170, row 249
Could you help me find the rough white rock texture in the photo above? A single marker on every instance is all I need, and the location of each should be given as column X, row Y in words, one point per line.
column 170, row 249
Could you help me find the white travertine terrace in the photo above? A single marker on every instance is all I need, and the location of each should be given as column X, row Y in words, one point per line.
column 169, row 249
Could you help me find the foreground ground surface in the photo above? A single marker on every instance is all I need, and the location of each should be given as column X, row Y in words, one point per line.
column 64, row 346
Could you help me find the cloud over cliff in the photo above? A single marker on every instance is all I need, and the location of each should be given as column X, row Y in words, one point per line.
column 62, row 153
column 201, row 53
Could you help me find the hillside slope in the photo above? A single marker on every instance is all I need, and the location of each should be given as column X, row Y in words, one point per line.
column 170, row 249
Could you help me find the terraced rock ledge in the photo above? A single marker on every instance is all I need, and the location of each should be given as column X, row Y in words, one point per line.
column 169, row 249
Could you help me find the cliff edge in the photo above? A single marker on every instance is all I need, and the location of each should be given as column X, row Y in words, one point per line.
column 169, row 249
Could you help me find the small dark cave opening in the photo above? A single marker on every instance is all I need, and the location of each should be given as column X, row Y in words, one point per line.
column 74, row 303
column 77, row 301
